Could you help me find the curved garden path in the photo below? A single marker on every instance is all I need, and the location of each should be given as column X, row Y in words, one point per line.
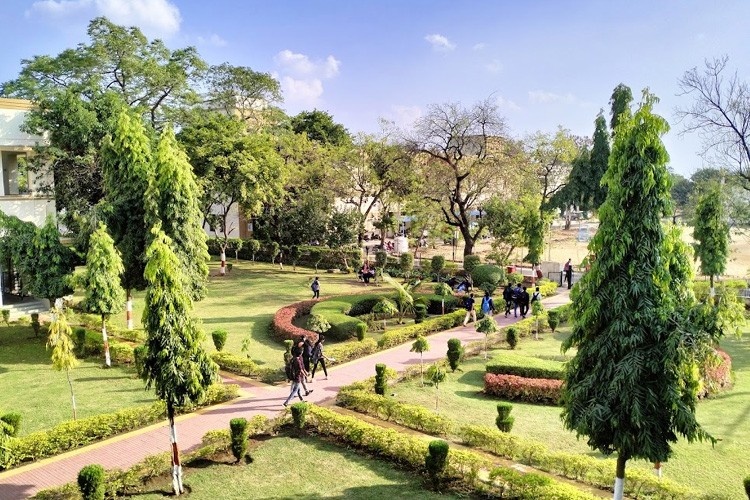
column 125, row 450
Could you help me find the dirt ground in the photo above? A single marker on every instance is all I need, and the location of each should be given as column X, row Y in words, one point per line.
column 563, row 245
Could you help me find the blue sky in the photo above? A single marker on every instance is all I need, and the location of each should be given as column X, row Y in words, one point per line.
column 547, row 63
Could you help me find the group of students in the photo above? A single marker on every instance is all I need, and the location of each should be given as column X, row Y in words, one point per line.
column 515, row 298
column 304, row 355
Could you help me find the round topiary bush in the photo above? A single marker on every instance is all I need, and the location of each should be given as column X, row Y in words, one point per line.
column 511, row 337
column 471, row 262
column 238, row 430
column 504, row 421
column 381, row 379
column 746, row 482
column 553, row 319
column 361, row 329
column 436, row 459
column 139, row 356
column 13, row 421
column 299, row 414
column 406, row 263
column 381, row 259
column 455, row 352
column 420, row 312
column 437, row 264
column 487, row 277
column 443, row 289
column 220, row 339
column 91, row 482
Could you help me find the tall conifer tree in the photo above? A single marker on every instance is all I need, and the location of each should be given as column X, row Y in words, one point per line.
column 174, row 196
column 711, row 233
column 128, row 170
column 176, row 364
column 627, row 388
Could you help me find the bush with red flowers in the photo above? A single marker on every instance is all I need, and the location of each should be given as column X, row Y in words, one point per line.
column 532, row 390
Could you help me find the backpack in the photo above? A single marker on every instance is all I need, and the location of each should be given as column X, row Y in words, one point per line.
column 535, row 297
column 514, row 295
column 486, row 305
column 292, row 369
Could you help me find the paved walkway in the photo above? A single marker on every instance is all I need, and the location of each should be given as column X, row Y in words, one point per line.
column 128, row 449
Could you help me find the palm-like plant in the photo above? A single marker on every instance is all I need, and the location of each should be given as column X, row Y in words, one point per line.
column 403, row 299
column 385, row 307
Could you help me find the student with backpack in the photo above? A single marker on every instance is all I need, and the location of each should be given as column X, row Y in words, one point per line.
column 315, row 287
column 537, row 295
column 488, row 306
column 515, row 296
column 295, row 372
column 470, row 312
column 524, row 300
column 508, row 298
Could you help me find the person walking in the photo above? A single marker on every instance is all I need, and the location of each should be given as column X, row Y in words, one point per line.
column 307, row 348
column 537, row 295
column 488, row 306
column 318, row 357
column 516, row 296
column 568, row 270
column 299, row 352
column 294, row 372
column 524, row 300
column 470, row 312
column 315, row 287
column 508, row 298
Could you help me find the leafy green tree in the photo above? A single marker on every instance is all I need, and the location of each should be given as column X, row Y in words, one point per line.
column 17, row 247
column 176, row 364
column 711, row 233
column 464, row 157
column 436, row 375
column 63, row 349
column 128, row 172
column 319, row 126
column 487, row 326
column 619, row 104
column 597, row 191
column 420, row 345
column 235, row 170
column 238, row 90
column 104, row 294
column 175, row 195
column 386, row 308
column 627, row 388
column 341, row 232
column 550, row 157
column 52, row 275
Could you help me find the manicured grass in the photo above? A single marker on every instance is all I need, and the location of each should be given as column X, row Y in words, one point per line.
column 302, row 468
column 716, row 470
column 30, row 385
column 244, row 301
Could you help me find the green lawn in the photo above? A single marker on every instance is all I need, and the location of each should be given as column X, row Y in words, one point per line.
column 31, row 387
column 711, row 470
column 306, row 468
column 244, row 301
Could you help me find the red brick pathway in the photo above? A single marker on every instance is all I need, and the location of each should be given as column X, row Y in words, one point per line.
column 128, row 449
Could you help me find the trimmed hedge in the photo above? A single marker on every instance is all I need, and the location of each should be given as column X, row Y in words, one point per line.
column 546, row 287
column 412, row 416
column 347, row 351
column 400, row 335
column 525, row 366
column 326, row 258
column 76, row 433
column 235, row 364
column 337, row 310
column 410, row 451
column 123, row 482
column 282, row 327
column 435, row 303
column 531, row 390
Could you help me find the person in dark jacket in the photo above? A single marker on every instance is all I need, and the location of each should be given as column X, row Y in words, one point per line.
column 524, row 301
column 508, row 298
column 318, row 357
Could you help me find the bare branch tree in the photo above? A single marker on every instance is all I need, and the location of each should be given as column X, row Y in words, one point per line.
column 720, row 114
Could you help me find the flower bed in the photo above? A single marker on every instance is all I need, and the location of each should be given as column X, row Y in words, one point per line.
column 531, row 390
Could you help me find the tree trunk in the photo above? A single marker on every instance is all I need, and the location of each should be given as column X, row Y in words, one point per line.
column 107, row 361
column 177, row 488
column 712, row 291
column 437, row 397
column 223, row 266
column 620, row 477
column 72, row 396
column 129, row 310
column 468, row 245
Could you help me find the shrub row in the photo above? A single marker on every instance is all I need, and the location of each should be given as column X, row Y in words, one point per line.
column 412, row 416
column 410, row 451
column 347, row 351
column 547, row 287
column 93, row 345
column 399, row 336
column 282, row 327
column 121, row 482
column 336, row 310
column 531, row 390
column 590, row 470
column 73, row 434
column 310, row 256
column 594, row 471
column 525, row 366
column 235, row 364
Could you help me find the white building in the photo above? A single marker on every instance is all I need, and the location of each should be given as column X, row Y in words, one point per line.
column 19, row 189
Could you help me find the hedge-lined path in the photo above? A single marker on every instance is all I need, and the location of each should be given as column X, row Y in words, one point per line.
column 125, row 450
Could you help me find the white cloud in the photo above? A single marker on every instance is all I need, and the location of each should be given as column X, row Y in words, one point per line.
column 494, row 66
column 153, row 17
column 302, row 65
column 507, row 104
column 440, row 43
column 214, row 40
column 544, row 97
column 479, row 46
column 302, row 77
column 302, row 91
